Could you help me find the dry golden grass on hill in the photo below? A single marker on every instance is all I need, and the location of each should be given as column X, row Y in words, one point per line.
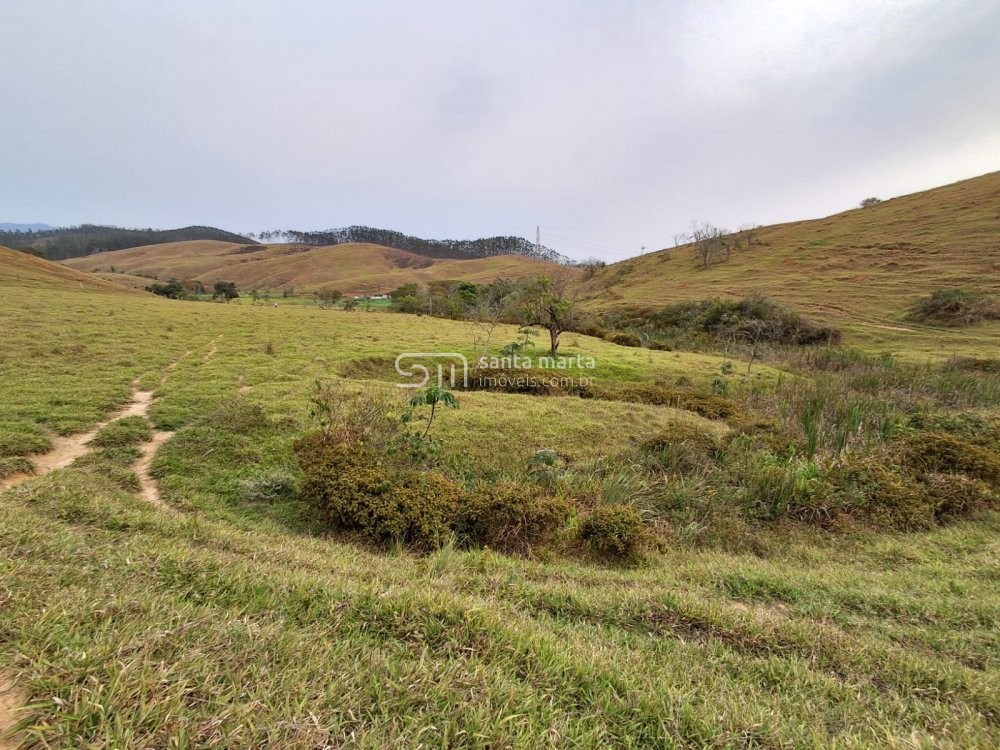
column 352, row 268
column 25, row 270
column 863, row 266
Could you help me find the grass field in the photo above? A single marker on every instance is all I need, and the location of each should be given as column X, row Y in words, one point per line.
column 233, row 621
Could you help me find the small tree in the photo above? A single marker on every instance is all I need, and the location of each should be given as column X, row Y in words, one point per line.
column 547, row 303
column 329, row 297
column 350, row 303
column 749, row 233
column 225, row 289
column 712, row 244
column 591, row 266
column 432, row 396
column 869, row 202
column 173, row 289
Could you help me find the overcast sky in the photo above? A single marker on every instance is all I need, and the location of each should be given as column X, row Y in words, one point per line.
column 611, row 124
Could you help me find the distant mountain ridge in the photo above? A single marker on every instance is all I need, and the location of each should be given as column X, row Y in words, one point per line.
column 86, row 239
column 8, row 227
column 486, row 247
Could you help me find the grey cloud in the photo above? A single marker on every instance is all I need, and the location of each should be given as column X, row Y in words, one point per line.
column 614, row 124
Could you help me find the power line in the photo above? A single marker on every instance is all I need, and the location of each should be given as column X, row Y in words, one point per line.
column 586, row 244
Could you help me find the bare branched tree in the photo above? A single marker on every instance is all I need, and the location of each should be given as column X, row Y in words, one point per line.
column 753, row 336
column 712, row 244
column 483, row 319
column 749, row 233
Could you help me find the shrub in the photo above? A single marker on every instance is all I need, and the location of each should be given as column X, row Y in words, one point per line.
column 547, row 467
column 512, row 517
column 615, row 532
column 955, row 496
column 353, row 488
column 365, row 416
column 942, row 452
column 123, row 432
column 624, row 339
column 874, row 490
column 759, row 319
column 955, row 307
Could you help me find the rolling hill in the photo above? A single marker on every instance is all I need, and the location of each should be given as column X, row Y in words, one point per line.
column 866, row 265
column 353, row 268
column 25, row 270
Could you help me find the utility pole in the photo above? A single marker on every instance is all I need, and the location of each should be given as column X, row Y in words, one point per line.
column 538, row 238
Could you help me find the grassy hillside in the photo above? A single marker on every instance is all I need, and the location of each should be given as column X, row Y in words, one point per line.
column 860, row 268
column 22, row 270
column 352, row 268
column 219, row 619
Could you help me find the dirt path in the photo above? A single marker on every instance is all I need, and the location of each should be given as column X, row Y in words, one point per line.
column 148, row 490
column 10, row 701
column 888, row 328
column 66, row 449
column 213, row 350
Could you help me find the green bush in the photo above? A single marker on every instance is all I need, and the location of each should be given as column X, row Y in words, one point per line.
column 123, row 432
column 946, row 453
column 624, row 339
column 874, row 490
column 694, row 322
column 353, row 488
column 511, row 517
column 615, row 532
